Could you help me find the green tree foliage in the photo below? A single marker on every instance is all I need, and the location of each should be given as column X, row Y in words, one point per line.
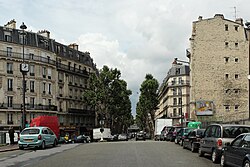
column 147, row 104
column 109, row 96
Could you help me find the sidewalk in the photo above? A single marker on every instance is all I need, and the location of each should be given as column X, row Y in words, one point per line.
column 9, row 148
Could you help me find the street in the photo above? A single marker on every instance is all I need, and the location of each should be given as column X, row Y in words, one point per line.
column 108, row 154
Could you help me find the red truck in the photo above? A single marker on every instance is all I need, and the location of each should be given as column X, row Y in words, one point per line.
column 48, row 121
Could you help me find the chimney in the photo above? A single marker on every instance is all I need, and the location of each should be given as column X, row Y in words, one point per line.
column 200, row 18
column 44, row 33
column 240, row 21
column 11, row 24
column 219, row 16
column 73, row 46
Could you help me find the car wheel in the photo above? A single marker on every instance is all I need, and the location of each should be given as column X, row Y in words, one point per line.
column 55, row 143
column 200, row 153
column 181, row 142
column 215, row 157
column 222, row 161
column 246, row 163
column 43, row 145
column 183, row 146
column 192, row 147
column 21, row 147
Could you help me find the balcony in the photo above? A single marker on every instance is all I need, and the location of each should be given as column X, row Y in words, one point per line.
column 30, row 107
column 81, row 111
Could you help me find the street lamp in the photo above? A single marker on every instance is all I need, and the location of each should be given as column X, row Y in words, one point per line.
column 181, row 106
column 24, row 68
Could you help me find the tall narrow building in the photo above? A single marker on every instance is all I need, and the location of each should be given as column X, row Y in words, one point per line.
column 173, row 95
column 219, row 66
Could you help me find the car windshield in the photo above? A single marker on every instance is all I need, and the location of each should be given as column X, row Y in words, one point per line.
column 30, row 131
column 234, row 131
column 187, row 130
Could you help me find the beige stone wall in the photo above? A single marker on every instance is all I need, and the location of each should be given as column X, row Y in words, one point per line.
column 216, row 53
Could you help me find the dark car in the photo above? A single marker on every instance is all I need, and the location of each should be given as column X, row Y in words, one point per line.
column 237, row 153
column 140, row 136
column 215, row 137
column 181, row 134
column 192, row 139
column 171, row 135
column 82, row 139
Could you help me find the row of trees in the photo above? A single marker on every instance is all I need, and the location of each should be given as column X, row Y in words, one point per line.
column 109, row 95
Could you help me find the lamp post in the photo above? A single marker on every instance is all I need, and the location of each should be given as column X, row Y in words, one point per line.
column 24, row 68
column 181, row 106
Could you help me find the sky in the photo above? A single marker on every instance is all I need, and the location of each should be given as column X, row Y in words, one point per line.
column 138, row 37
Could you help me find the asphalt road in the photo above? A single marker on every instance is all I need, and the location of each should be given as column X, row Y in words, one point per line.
column 113, row 154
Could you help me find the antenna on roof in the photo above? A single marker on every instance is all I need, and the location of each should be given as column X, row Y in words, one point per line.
column 235, row 12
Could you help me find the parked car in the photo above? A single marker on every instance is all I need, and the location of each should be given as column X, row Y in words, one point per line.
column 192, row 139
column 122, row 137
column 237, row 152
column 164, row 133
column 39, row 137
column 181, row 134
column 215, row 137
column 171, row 135
column 82, row 139
column 140, row 136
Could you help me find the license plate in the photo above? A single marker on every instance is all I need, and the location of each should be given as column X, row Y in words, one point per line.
column 28, row 140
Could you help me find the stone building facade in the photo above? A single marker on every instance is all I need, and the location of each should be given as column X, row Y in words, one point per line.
column 219, row 67
column 57, row 77
column 173, row 95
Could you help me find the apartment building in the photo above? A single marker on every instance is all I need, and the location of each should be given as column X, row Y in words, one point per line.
column 57, row 77
column 173, row 94
column 219, row 66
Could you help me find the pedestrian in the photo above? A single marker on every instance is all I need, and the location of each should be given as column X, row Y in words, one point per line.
column 11, row 135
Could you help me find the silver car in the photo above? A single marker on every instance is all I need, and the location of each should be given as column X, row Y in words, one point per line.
column 215, row 137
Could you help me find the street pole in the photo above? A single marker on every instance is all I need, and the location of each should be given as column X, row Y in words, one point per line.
column 181, row 107
column 23, row 27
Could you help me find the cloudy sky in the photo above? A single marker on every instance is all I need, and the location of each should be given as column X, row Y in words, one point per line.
column 136, row 36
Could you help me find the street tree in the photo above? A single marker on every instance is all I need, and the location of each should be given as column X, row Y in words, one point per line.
column 109, row 95
column 147, row 104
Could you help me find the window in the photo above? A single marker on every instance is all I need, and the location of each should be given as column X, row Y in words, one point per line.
column 49, row 102
column 226, row 59
column 226, row 76
column 236, row 76
column 7, row 36
column 32, row 102
column 226, row 44
column 236, row 91
column 22, row 39
column 180, row 101
column 49, row 73
column 9, row 51
column 69, row 64
column 58, row 49
column 174, row 111
column 236, row 107
column 49, row 88
column 227, row 108
column 10, row 68
column 178, row 71
column 227, row 90
column 10, row 101
column 70, row 79
column 31, row 55
column 32, row 86
column 174, row 81
column 236, row 59
column 180, row 111
column 174, row 91
column 226, row 27
column 44, row 72
column 10, row 84
column 10, row 118
column 60, row 77
column 44, row 87
column 32, row 70
column 236, row 44
column 237, row 141
column 60, row 91
column 236, row 28
column 175, row 101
